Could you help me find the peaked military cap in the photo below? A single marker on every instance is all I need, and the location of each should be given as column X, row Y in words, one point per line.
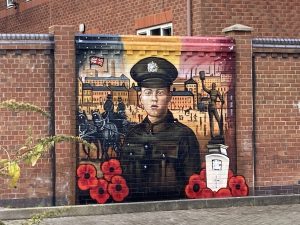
column 154, row 72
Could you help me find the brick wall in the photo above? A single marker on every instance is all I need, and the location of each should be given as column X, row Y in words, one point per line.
column 65, row 110
column 267, row 146
column 28, row 64
column 268, row 18
column 278, row 120
column 115, row 17
column 26, row 74
column 271, row 19
column 244, row 104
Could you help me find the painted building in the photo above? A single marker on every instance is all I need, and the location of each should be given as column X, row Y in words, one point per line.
column 100, row 94
column 80, row 90
column 192, row 86
column 108, row 81
column 182, row 100
column 119, row 91
column 87, row 97
column 133, row 95
column 178, row 84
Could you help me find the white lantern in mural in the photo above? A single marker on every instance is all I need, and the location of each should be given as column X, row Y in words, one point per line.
column 217, row 166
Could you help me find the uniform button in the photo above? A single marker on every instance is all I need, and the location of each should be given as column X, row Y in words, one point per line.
column 145, row 166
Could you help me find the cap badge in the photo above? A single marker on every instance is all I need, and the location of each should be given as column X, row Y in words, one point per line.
column 152, row 67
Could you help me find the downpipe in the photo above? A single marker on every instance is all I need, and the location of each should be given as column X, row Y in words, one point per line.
column 189, row 17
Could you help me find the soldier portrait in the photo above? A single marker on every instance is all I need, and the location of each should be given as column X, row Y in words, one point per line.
column 160, row 153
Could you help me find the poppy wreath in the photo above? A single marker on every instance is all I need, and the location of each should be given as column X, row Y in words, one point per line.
column 101, row 189
column 86, row 176
column 196, row 187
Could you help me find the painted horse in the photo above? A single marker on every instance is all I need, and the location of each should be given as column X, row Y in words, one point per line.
column 108, row 132
column 88, row 132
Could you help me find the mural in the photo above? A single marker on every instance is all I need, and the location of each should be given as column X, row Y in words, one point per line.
column 160, row 113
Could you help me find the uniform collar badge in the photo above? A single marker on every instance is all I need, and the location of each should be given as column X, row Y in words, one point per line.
column 152, row 67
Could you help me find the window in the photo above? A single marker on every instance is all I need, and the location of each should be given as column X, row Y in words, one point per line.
column 10, row 3
column 14, row 3
column 161, row 30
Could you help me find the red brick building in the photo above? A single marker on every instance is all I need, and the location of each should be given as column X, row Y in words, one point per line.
column 269, row 19
column 40, row 69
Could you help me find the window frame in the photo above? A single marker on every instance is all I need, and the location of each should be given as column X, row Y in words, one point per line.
column 10, row 4
column 147, row 31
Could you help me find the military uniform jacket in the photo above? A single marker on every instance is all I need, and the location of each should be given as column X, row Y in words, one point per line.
column 108, row 105
column 159, row 158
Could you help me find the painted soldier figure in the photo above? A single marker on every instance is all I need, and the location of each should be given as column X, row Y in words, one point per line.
column 214, row 94
column 109, row 107
column 160, row 153
column 121, row 108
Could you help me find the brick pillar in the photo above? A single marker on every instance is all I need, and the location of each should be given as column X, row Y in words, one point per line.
column 244, row 116
column 65, row 111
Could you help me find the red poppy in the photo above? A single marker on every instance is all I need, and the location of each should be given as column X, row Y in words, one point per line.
column 100, row 193
column 223, row 193
column 203, row 165
column 238, row 186
column 111, row 168
column 118, row 188
column 195, row 186
column 87, row 176
column 207, row 193
column 203, row 175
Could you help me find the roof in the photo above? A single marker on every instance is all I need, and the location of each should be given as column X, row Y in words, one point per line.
column 118, row 88
column 101, row 88
column 123, row 77
column 182, row 93
column 136, row 88
column 190, row 81
column 87, row 86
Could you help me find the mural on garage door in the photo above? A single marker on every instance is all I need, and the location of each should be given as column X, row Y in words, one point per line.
column 160, row 114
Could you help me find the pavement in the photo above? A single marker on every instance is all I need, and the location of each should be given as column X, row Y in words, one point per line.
column 273, row 215
column 283, row 210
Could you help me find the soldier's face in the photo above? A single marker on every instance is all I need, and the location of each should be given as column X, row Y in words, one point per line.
column 155, row 101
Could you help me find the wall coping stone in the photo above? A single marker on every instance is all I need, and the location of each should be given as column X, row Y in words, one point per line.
column 237, row 27
column 275, row 43
column 26, row 39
